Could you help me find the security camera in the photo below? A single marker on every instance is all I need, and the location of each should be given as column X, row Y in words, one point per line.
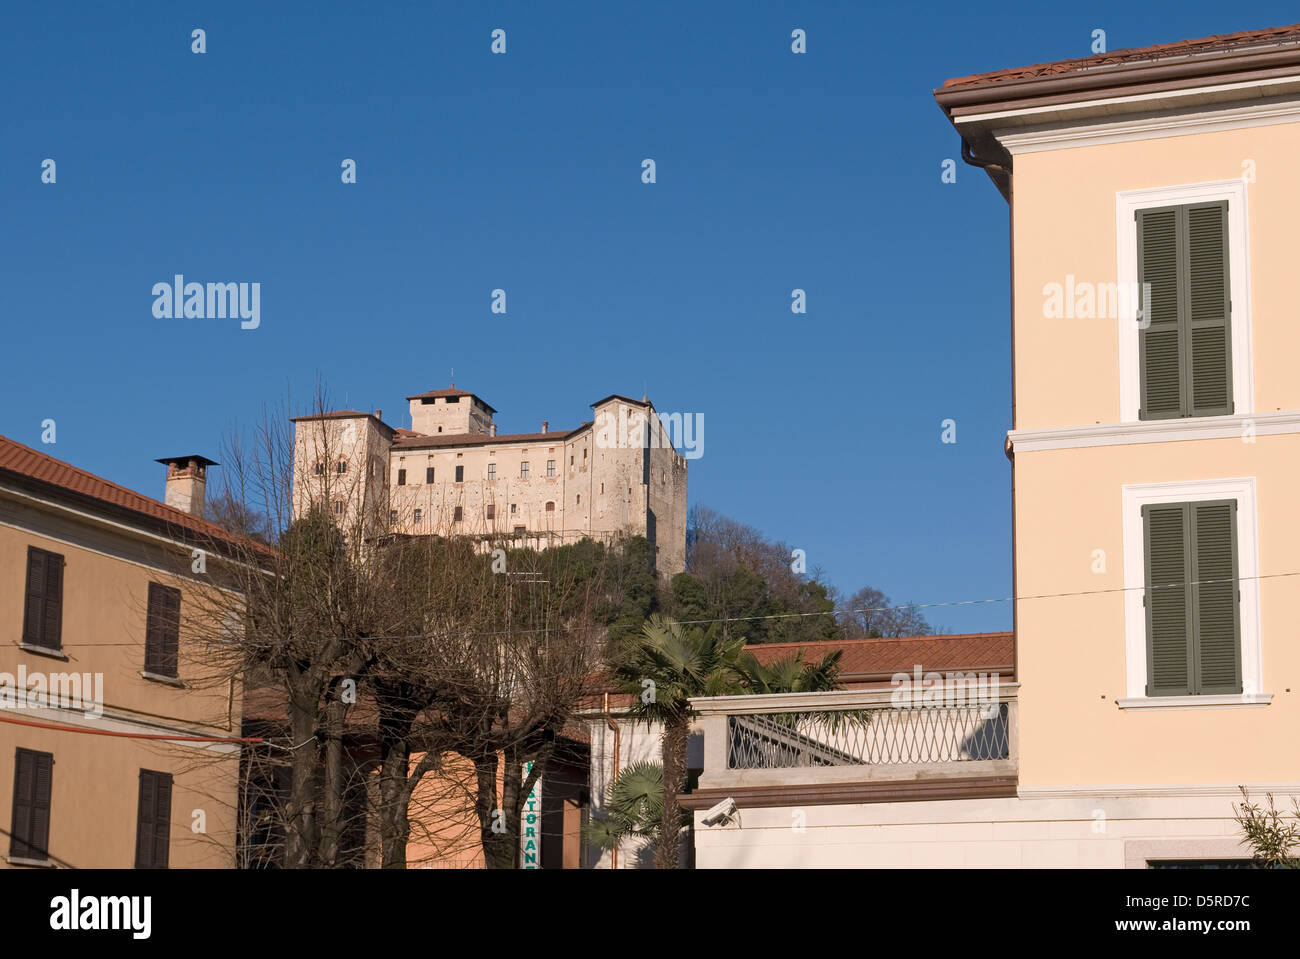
column 720, row 813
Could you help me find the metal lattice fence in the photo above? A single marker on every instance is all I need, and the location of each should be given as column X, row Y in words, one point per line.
column 881, row 736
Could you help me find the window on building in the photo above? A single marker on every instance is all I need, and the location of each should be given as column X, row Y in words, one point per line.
column 43, row 608
column 460, row 474
column 1192, row 598
column 428, row 474
column 519, row 530
column 401, row 477
column 514, row 508
column 392, row 517
column 418, row 515
column 29, row 831
column 320, row 469
column 457, row 513
column 550, row 467
column 579, row 499
column 1185, row 346
column 570, row 459
column 523, row 470
column 342, row 466
column 550, row 507
column 492, row 472
column 162, row 630
column 491, row 511
column 338, row 507
column 439, row 429
column 153, row 820
column 602, row 488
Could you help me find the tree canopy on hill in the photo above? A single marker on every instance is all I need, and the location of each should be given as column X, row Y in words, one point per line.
column 736, row 574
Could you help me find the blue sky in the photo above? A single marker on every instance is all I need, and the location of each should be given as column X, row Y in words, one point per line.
column 522, row 172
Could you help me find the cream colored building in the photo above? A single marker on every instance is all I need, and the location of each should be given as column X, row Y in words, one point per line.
column 118, row 736
column 1155, row 445
column 452, row 473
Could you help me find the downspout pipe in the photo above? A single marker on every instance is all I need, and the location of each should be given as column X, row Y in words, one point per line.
column 609, row 721
column 969, row 157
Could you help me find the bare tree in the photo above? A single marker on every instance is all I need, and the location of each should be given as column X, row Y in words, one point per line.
column 382, row 658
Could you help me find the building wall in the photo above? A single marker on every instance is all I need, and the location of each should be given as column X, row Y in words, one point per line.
column 1063, row 831
column 437, row 501
column 95, row 786
column 1072, row 648
column 1067, row 370
column 1069, row 501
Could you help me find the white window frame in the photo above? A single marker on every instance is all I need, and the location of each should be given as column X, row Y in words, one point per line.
column 1135, row 621
column 1127, row 203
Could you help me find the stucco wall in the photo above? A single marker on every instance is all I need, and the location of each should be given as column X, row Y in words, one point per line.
column 95, row 787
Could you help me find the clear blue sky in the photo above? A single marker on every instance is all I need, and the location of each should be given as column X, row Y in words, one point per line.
column 522, row 172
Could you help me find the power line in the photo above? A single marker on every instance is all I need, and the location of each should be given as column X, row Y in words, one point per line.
column 829, row 612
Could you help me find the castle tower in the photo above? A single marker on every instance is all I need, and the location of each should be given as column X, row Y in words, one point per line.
column 450, row 412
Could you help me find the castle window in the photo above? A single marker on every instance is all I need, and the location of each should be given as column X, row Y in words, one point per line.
column 550, row 467
column 579, row 501
column 439, row 429
column 338, row 507
column 460, row 474
column 491, row 511
column 401, row 477
column 342, row 466
column 523, row 470
column 514, row 508
column 519, row 531
column 392, row 517
column 428, row 474
column 550, row 507
column 320, row 469
column 419, row 515
column 457, row 514
column 492, row 472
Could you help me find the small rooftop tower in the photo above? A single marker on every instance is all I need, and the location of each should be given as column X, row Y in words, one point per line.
column 187, row 482
column 449, row 412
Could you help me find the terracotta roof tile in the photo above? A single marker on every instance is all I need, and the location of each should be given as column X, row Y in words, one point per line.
column 23, row 461
column 408, row 440
column 1161, row 51
column 958, row 652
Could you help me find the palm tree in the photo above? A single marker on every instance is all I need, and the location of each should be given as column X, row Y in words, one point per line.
column 633, row 810
column 662, row 668
column 790, row 674
column 634, row 806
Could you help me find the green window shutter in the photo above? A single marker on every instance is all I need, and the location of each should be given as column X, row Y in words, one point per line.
column 1215, row 598
column 1168, row 603
column 1208, row 331
column 1185, row 351
column 1160, row 342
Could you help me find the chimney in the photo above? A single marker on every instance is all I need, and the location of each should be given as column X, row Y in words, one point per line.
column 492, row 430
column 379, row 415
column 545, row 424
column 186, row 482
